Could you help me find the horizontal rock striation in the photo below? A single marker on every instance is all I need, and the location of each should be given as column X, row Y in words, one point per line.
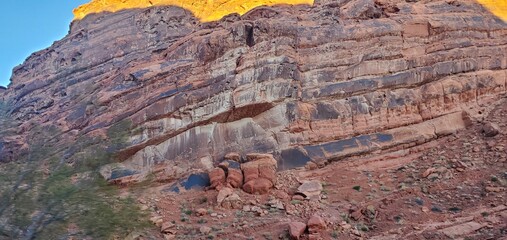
column 303, row 83
column 205, row 10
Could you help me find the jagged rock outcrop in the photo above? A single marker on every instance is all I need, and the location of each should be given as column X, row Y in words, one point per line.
column 304, row 83
column 205, row 10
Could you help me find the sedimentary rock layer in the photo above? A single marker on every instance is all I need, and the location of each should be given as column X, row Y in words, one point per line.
column 205, row 10
column 304, row 83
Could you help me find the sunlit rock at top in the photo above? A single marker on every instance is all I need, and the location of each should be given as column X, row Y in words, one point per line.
column 205, row 10
column 497, row 7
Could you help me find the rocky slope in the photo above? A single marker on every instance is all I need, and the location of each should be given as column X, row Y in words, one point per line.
column 319, row 83
column 450, row 188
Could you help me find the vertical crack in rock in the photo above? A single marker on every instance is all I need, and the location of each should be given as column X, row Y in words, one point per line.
column 250, row 41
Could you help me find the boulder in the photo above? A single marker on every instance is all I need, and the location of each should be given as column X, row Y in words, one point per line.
column 232, row 202
column 316, row 224
column 234, row 178
column 217, row 177
column 258, row 186
column 314, row 236
column 311, row 189
column 201, row 212
column 167, row 227
column 157, row 220
column 228, row 173
column 462, row 229
column 205, row 230
column 296, row 229
column 223, row 194
column 169, row 236
column 276, row 203
column 490, row 129
column 259, row 173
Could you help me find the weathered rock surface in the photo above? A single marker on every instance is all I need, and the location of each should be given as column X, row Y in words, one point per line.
column 223, row 194
column 234, row 178
column 490, row 129
column 233, row 157
column 296, row 229
column 259, row 173
column 303, row 83
column 462, row 229
column 217, row 178
column 203, row 9
column 311, row 189
column 316, row 224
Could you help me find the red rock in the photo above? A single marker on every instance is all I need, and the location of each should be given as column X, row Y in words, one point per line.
column 250, row 173
column 417, row 29
column 258, row 186
column 296, row 229
column 311, row 189
column 172, row 81
column 235, row 178
column 259, row 173
column 495, row 189
column 232, row 202
column 314, row 236
column 428, row 171
column 217, row 177
column 233, row 157
column 201, row 212
column 298, row 197
column 167, row 227
column 316, row 224
column 311, row 166
column 268, row 172
column 462, row 229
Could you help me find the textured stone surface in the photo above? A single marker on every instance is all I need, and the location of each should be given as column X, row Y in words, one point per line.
column 259, row 173
column 235, row 178
column 462, row 229
column 223, row 194
column 311, row 189
column 490, row 129
column 217, row 177
column 302, row 83
column 296, row 229
column 204, row 9
column 233, row 157
column 316, row 224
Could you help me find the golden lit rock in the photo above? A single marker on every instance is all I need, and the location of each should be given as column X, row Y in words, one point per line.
column 497, row 7
column 205, row 10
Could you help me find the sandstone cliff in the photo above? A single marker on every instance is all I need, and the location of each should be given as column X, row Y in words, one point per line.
column 318, row 83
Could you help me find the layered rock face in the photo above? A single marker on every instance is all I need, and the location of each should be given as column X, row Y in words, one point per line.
column 303, row 83
column 205, row 10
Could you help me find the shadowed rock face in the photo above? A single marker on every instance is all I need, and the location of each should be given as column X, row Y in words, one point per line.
column 303, row 83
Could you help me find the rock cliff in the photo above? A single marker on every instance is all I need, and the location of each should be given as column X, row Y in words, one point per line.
column 304, row 83
column 205, row 10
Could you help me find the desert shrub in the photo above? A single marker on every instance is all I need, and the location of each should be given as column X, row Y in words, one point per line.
column 56, row 191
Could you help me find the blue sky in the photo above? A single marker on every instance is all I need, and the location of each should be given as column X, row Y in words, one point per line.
column 27, row 26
